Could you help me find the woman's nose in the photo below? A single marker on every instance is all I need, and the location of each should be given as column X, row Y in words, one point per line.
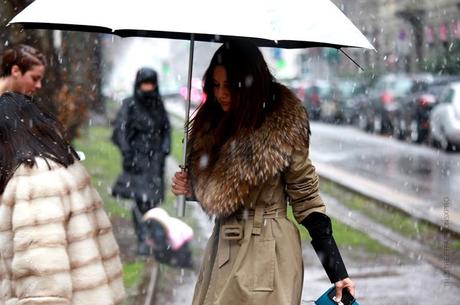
column 222, row 93
column 219, row 92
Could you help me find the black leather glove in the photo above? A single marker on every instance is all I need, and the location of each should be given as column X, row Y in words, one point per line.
column 320, row 229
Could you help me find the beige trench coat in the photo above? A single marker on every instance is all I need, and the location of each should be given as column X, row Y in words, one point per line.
column 264, row 266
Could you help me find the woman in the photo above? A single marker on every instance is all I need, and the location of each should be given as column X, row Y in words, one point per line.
column 248, row 158
column 56, row 241
column 142, row 132
column 22, row 70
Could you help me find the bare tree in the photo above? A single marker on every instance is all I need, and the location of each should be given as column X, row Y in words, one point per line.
column 72, row 84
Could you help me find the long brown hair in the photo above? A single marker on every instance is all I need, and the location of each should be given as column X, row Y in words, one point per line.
column 26, row 133
column 253, row 93
column 23, row 56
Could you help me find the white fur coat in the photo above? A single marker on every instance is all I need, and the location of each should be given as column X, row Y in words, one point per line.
column 56, row 241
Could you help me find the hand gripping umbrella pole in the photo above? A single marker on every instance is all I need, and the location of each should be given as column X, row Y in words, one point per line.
column 180, row 200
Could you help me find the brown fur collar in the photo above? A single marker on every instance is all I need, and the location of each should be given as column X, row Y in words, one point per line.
column 250, row 160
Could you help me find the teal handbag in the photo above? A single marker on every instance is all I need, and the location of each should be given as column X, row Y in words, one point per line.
column 328, row 298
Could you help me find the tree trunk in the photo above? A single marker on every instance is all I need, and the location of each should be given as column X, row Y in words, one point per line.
column 72, row 82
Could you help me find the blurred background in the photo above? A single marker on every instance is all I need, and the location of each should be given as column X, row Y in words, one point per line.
column 385, row 140
column 418, row 51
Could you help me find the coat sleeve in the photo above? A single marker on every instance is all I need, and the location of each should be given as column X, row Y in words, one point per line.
column 40, row 263
column 320, row 228
column 302, row 186
column 120, row 131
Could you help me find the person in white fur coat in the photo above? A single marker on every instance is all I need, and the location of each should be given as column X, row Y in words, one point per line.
column 56, row 241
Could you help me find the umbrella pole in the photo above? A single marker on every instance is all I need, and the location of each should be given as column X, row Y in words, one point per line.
column 180, row 202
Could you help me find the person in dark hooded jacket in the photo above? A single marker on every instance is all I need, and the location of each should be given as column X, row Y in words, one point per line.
column 142, row 133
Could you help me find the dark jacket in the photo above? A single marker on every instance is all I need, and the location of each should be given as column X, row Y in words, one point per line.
column 142, row 133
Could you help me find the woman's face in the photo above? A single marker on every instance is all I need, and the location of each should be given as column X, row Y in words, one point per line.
column 147, row 86
column 29, row 82
column 221, row 88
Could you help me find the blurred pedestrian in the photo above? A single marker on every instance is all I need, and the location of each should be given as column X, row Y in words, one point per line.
column 22, row 70
column 56, row 241
column 248, row 158
column 142, row 133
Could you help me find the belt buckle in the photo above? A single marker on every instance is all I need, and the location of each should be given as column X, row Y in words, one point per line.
column 232, row 232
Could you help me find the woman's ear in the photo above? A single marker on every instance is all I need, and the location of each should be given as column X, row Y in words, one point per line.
column 16, row 71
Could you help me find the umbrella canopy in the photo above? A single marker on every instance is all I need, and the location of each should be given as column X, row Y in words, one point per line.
column 272, row 23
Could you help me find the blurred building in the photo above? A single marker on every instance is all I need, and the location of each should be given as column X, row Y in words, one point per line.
column 409, row 35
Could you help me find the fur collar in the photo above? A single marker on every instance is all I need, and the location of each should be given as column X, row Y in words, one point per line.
column 250, row 160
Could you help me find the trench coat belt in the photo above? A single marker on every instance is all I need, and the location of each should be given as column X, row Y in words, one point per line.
column 233, row 231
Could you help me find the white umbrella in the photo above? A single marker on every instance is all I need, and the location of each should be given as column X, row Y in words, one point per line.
column 272, row 23
column 275, row 23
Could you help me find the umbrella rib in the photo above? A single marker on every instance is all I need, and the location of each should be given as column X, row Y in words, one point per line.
column 351, row 59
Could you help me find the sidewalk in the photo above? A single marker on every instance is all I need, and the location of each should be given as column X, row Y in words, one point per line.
column 414, row 206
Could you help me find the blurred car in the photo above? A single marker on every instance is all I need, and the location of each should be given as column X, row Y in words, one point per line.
column 351, row 93
column 297, row 85
column 413, row 121
column 197, row 96
column 170, row 89
column 333, row 104
column 360, row 109
column 357, row 109
column 445, row 119
column 384, row 100
column 379, row 105
column 315, row 94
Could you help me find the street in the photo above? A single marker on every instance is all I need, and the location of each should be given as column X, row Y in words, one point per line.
column 423, row 180
column 415, row 170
